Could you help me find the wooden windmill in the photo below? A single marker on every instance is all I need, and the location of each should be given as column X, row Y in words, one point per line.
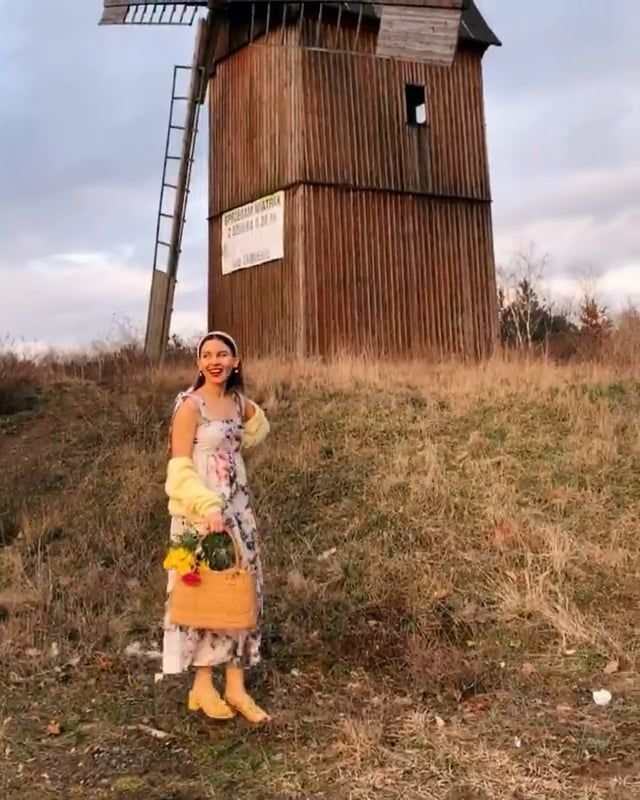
column 349, row 200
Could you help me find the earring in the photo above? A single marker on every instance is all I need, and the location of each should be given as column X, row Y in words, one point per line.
column 201, row 374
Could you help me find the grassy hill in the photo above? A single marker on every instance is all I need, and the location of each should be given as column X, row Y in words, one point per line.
column 452, row 568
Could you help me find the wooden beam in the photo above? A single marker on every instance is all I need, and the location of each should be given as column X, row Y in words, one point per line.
column 159, row 316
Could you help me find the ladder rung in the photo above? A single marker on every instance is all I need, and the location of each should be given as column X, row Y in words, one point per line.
column 170, row 185
column 166, row 244
column 173, row 158
column 177, row 127
column 167, row 216
column 180, row 97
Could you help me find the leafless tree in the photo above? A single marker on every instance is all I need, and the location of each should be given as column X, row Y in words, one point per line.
column 524, row 312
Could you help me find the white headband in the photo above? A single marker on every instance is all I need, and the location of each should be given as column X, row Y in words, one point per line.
column 217, row 335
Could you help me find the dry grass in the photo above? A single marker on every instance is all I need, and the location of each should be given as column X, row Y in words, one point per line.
column 452, row 560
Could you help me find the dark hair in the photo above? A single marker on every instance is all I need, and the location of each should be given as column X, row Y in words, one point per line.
column 235, row 381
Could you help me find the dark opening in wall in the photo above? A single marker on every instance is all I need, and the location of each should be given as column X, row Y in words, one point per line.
column 416, row 104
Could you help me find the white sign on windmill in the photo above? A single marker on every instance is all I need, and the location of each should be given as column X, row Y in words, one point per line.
column 253, row 234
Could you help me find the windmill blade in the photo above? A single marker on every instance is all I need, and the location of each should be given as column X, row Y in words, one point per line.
column 161, row 12
column 151, row 12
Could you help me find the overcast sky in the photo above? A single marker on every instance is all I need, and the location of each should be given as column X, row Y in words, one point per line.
column 83, row 114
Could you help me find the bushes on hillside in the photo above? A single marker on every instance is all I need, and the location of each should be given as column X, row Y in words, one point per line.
column 19, row 383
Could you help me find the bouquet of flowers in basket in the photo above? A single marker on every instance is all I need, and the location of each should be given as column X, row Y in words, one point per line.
column 192, row 552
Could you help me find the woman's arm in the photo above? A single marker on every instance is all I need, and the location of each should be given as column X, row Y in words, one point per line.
column 183, row 483
column 183, row 431
column 249, row 410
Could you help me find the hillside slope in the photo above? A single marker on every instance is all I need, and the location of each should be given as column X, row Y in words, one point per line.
column 452, row 569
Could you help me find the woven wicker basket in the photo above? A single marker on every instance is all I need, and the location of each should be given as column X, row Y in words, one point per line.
column 224, row 600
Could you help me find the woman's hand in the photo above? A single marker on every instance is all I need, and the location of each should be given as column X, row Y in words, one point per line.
column 214, row 522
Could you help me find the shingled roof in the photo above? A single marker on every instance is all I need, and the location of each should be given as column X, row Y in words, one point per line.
column 474, row 28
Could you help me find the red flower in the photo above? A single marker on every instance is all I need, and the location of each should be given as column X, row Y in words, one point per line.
column 192, row 579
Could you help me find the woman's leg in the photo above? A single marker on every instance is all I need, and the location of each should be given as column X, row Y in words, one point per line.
column 236, row 696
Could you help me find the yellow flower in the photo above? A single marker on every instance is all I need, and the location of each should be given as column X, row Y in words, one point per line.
column 180, row 559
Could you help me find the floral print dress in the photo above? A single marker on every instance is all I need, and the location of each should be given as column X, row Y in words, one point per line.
column 218, row 461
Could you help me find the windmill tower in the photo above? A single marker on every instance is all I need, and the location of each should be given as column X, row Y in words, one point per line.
column 349, row 198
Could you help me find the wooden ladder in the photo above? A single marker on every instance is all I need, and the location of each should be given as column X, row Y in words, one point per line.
column 184, row 115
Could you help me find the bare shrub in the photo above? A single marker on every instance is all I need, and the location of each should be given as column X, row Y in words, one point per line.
column 19, row 383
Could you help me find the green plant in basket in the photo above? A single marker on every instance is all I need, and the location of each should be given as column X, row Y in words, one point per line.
column 191, row 551
column 217, row 551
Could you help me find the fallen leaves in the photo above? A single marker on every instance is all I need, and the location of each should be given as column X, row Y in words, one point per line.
column 104, row 662
column 475, row 705
column 612, row 667
column 54, row 728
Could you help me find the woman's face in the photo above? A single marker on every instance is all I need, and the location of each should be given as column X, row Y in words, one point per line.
column 217, row 362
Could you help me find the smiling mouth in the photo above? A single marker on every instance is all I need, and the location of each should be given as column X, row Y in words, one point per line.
column 216, row 373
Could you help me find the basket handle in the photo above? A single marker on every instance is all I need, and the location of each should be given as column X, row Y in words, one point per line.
column 236, row 549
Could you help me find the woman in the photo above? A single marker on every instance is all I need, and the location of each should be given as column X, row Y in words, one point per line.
column 207, row 487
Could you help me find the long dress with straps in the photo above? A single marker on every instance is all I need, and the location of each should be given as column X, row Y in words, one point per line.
column 218, row 460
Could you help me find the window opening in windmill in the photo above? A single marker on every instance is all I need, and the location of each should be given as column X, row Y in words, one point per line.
column 416, row 104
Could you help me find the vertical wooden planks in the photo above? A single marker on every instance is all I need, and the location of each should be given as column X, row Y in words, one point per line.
column 388, row 242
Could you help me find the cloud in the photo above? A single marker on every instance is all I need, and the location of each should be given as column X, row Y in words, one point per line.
column 87, row 293
column 618, row 290
column 85, row 127
column 591, row 220
column 563, row 114
column 77, row 291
